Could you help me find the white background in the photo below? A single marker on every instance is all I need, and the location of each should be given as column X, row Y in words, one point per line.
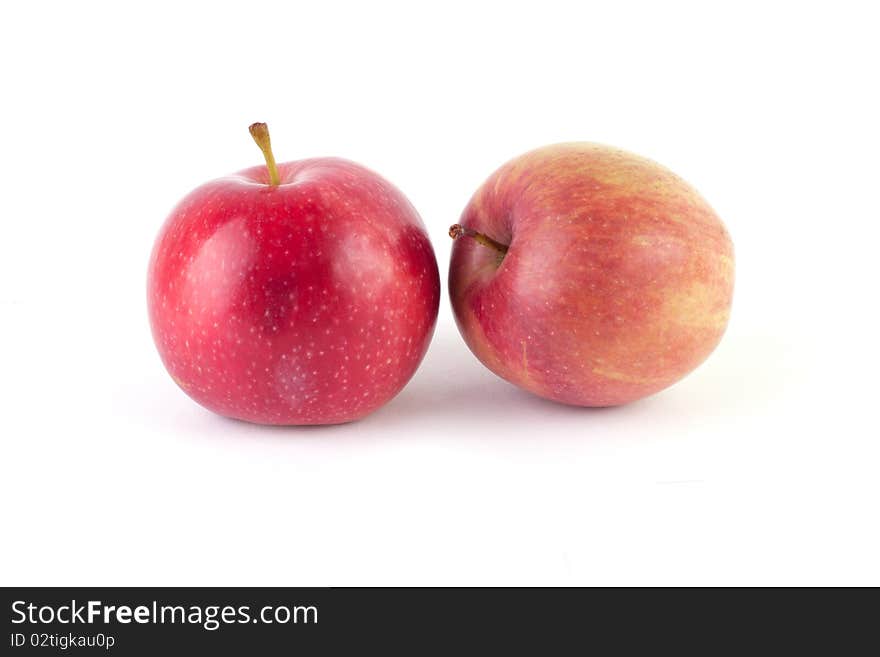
column 759, row 468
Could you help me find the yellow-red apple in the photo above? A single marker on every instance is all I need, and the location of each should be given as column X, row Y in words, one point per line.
column 589, row 275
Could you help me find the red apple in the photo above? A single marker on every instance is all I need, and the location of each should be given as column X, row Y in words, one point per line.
column 302, row 293
column 589, row 275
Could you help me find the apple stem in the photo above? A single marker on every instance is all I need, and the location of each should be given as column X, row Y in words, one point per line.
column 457, row 230
column 260, row 133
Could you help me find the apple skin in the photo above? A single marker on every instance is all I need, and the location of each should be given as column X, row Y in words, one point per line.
column 312, row 302
column 617, row 281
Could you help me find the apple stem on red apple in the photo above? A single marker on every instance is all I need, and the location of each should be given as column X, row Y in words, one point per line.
column 260, row 133
column 457, row 230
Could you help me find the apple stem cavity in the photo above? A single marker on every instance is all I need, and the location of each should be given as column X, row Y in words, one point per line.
column 260, row 133
column 457, row 230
